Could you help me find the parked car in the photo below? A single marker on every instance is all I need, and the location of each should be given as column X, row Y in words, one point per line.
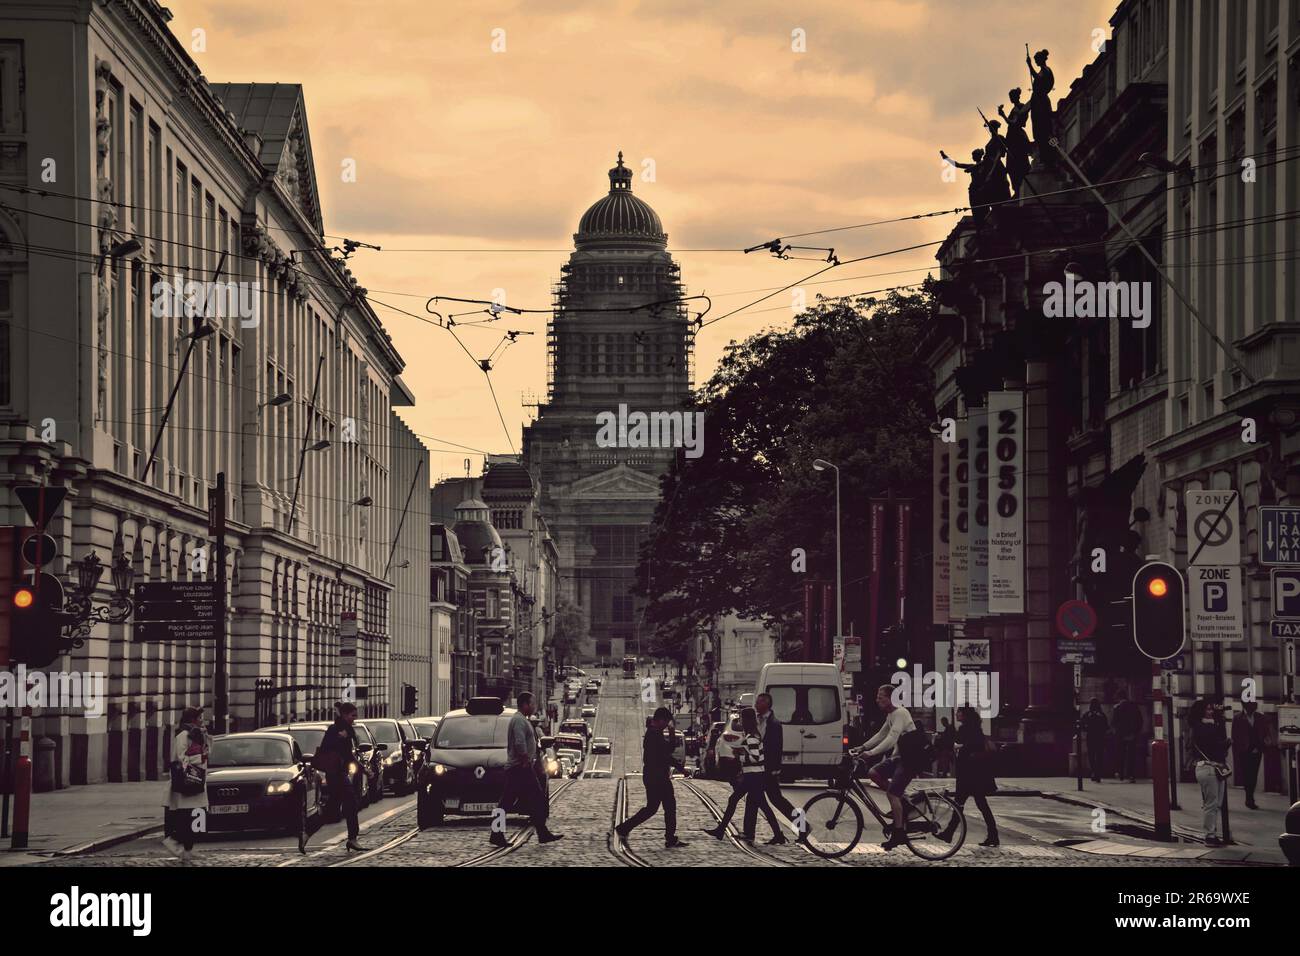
column 601, row 745
column 366, row 768
column 722, row 764
column 261, row 781
column 394, row 740
column 464, row 769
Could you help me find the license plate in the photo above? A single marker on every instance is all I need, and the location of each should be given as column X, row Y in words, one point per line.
column 228, row 808
column 478, row 807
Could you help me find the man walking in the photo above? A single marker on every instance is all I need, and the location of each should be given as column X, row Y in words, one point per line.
column 656, row 755
column 1095, row 726
column 1128, row 724
column 1249, row 738
column 522, row 790
column 770, row 729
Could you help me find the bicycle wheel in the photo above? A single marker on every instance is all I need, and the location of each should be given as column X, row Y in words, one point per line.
column 936, row 827
column 833, row 824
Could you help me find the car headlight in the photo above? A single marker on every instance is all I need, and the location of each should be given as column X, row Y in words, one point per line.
column 552, row 766
column 284, row 786
column 440, row 768
column 393, row 758
column 353, row 768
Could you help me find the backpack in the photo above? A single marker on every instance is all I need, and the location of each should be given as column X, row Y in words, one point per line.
column 915, row 749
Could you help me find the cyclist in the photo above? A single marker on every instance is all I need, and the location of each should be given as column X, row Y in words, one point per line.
column 891, row 774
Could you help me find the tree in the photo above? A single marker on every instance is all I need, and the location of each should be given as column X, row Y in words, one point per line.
column 844, row 383
column 568, row 631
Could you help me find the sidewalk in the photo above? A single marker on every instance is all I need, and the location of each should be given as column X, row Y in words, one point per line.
column 1254, row 832
column 79, row 819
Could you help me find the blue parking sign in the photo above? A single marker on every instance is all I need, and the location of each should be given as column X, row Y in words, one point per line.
column 1279, row 535
column 1286, row 594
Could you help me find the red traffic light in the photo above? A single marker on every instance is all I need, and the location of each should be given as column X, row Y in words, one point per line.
column 1158, row 587
column 23, row 598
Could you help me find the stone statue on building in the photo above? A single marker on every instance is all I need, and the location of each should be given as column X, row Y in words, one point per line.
column 1017, row 140
column 1040, row 104
column 976, row 172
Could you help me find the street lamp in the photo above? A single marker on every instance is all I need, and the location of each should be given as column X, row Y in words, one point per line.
column 822, row 464
column 80, row 606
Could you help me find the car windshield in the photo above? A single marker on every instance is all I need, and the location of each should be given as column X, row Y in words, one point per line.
column 307, row 738
column 574, row 726
column 471, row 732
column 363, row 735
column 425, row 728
column 250, row 752
column 802, row 705
column 384, row 731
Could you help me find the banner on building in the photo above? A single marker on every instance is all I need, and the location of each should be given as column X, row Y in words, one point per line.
column 972, row 655
column 977, row 428
column 959, row 529
column 903, row 541
column 939, row 533
column 1007, row 503
column 878, row 514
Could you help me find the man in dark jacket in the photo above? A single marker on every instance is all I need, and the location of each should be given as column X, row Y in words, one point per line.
column 1128, row 725
column 1095, row 726
column 656, row 754
column 333, row 757
column 770, row 729
column 1250, row 735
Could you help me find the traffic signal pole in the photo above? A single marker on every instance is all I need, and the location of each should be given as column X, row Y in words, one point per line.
column 1159, row 759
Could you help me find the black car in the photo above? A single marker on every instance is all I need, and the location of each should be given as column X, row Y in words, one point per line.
column 365, row 769
column 465, row 764
column 426, row 727
column 395, row 741
column 261, row 781
column 416, row 742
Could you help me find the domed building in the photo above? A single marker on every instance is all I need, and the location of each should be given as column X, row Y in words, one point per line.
column 618, row 337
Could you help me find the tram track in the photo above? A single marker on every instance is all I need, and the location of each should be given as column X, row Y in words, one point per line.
column 744, row 846
column 618, row 847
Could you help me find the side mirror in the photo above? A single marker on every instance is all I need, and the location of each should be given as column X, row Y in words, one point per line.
column 381, row 746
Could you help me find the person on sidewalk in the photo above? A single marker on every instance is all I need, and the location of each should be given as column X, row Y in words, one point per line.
column 1095, row 726
column 1209, row 748
column 333, row 756
column 523, row 791
column 188, row 787
column 773, row 734
column 975, row 771
column 1250, row 735
column 1128, row 727
column 656, row 776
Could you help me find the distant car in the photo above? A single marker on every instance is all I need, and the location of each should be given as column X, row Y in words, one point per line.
column 588, row 711
column 364, row 772
column 692, row 744
column 575, row 757
column 723, row 762
column 465, row 765
column 596, row 775
column 601, row 745
column 394, row 739
column 593, row 687
column 566, row 766
column 578, row 727
column 416, row 743
column 261, row 781
column 426, row 727
column 572, row 742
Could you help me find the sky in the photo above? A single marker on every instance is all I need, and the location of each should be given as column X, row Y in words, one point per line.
column 485, row 130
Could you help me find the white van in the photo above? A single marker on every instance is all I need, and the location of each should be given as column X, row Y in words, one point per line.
column 809, row 700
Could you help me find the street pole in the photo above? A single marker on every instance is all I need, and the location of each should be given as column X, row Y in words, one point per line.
column 839, row 572
column 219, row 678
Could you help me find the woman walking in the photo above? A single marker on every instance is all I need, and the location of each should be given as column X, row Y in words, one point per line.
column 974, row 770
column 188, row 789
column 753, row 777
column 740, row 789
column 1209, row 749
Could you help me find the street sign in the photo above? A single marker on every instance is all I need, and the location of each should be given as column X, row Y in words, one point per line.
column 1288, row 725
column 40, row 501
column 1285, row 630
column 852, row 653
column 176, row 601
column 1076, row 619
column 1279, row 535
column 176, row 630
column 1212, row 536
column 1286, row 594
column 40, row 550
column 1214, row 603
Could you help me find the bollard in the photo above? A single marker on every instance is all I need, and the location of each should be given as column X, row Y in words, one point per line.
column 22, row 801
column 43, row 767
column 1160, row 788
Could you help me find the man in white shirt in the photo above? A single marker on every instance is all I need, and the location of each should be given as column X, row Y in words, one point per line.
column 890, row 774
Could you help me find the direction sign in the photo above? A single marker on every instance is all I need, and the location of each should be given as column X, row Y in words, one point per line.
column 1279, row 535
column 176, row 630
column 1286, row 594
column 1212, row 536
column 1214, row 608
column 1076, row 619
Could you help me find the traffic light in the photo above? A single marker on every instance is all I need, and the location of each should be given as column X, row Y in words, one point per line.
column 410, row 699
column 1159, row 621
column 35, row 617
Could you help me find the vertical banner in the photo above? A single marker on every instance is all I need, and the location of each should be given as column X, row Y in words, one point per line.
column 1007, row 504
column 978, row 430
column 959, row 530
column 808, row 638
column 877, row 572
column 939, row 534
column 824, row 648
column 903, row 542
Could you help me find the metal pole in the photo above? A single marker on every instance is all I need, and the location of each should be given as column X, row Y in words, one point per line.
column 219, row 680
column 1173, row 754
column 839, row 577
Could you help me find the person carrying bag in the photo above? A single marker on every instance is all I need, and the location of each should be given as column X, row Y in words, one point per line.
column 188, row 784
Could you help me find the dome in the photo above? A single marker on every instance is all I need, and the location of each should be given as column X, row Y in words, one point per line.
column 474, row 531
column 620, row 217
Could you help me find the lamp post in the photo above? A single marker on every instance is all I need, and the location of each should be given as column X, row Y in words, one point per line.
column 821, row 464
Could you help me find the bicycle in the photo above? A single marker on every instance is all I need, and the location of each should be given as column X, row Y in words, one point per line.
column 832, row 821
